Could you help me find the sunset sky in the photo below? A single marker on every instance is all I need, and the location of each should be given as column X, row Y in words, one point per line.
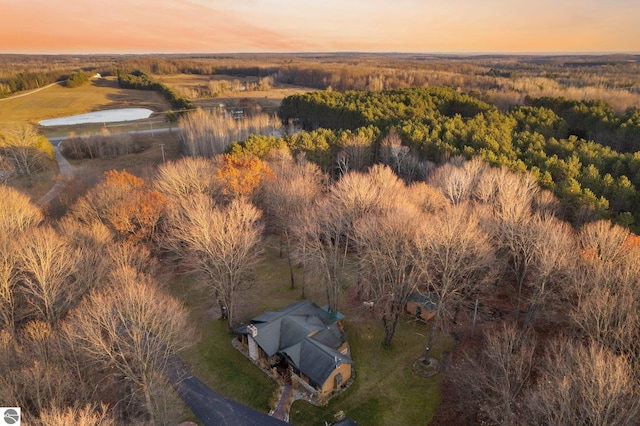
column 428, row 26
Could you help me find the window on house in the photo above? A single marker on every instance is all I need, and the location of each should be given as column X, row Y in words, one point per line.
column 338, row 380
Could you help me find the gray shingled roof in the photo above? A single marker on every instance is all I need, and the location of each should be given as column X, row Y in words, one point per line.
column 318, row 361
column 306, row 333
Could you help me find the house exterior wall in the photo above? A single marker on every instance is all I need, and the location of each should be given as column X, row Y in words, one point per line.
column 330, row 384
column 254, row 352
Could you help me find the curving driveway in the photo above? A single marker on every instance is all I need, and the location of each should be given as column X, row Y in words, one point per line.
column 211, row 408
column 65, row 173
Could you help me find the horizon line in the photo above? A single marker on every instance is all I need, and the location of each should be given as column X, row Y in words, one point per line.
column 337, row 52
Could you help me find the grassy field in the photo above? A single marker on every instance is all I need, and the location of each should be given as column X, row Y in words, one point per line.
column 36, row 185
column 143, row 164
column 385, row 392
column 60, row 101
column 190, row 84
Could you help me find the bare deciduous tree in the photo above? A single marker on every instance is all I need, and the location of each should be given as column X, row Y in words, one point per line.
column 188, row 176
column 208, row 134
column 456, row 179
column 385, row 245
column 398, row 156
column 327, row 230
column 456, row 257
column 554, row 252
column 7, row 169
column 321, row 235
column 289, row 196
column 46, row 264
column 135, row 330
column 356, row 155
column 17, row 213
column 496, row 378
column 88, row 415
column 91, row 243
column 604, row 240
column 605, row 295
column 584, row 385
column 220, row 244
column 27, row 151
column 8, row 282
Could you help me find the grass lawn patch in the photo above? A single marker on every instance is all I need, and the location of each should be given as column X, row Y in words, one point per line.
column 60, row 101
column 143, row 164
column 386, row 391
column 228, row 371
column 37, row 184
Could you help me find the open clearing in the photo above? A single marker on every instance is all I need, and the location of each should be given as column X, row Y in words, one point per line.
column 191, row 84
column 60, row 101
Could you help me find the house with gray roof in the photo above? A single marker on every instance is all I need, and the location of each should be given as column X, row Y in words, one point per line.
column 302, row 339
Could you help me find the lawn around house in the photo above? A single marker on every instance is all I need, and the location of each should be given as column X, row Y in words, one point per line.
column 385, row 391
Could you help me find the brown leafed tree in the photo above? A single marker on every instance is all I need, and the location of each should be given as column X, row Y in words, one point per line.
column 240, row 176
column 123, row 203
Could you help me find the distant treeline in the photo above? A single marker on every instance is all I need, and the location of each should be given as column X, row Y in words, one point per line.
column 137, row 79
column 28, row 72
column 501, row 80
column 437, row 124
column 504, row 81
column 27, row 81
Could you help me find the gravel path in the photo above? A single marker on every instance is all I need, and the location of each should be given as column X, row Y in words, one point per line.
column 65, row 173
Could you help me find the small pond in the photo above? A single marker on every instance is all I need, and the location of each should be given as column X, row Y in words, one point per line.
column 106, row 116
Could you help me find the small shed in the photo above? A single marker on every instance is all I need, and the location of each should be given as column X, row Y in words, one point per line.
column 422, row 306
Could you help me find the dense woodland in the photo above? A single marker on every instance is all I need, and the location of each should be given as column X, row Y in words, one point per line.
column 581, row 150
column 556, row 327
column 497, row 213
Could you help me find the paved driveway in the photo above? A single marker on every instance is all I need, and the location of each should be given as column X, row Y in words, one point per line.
column 211, row 408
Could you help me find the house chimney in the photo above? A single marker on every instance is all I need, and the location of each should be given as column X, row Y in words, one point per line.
column 253, row 331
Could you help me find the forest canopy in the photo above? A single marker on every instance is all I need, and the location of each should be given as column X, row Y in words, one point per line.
column 582, row 150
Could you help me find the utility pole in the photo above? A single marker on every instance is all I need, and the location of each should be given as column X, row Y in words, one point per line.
column 162, row 148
